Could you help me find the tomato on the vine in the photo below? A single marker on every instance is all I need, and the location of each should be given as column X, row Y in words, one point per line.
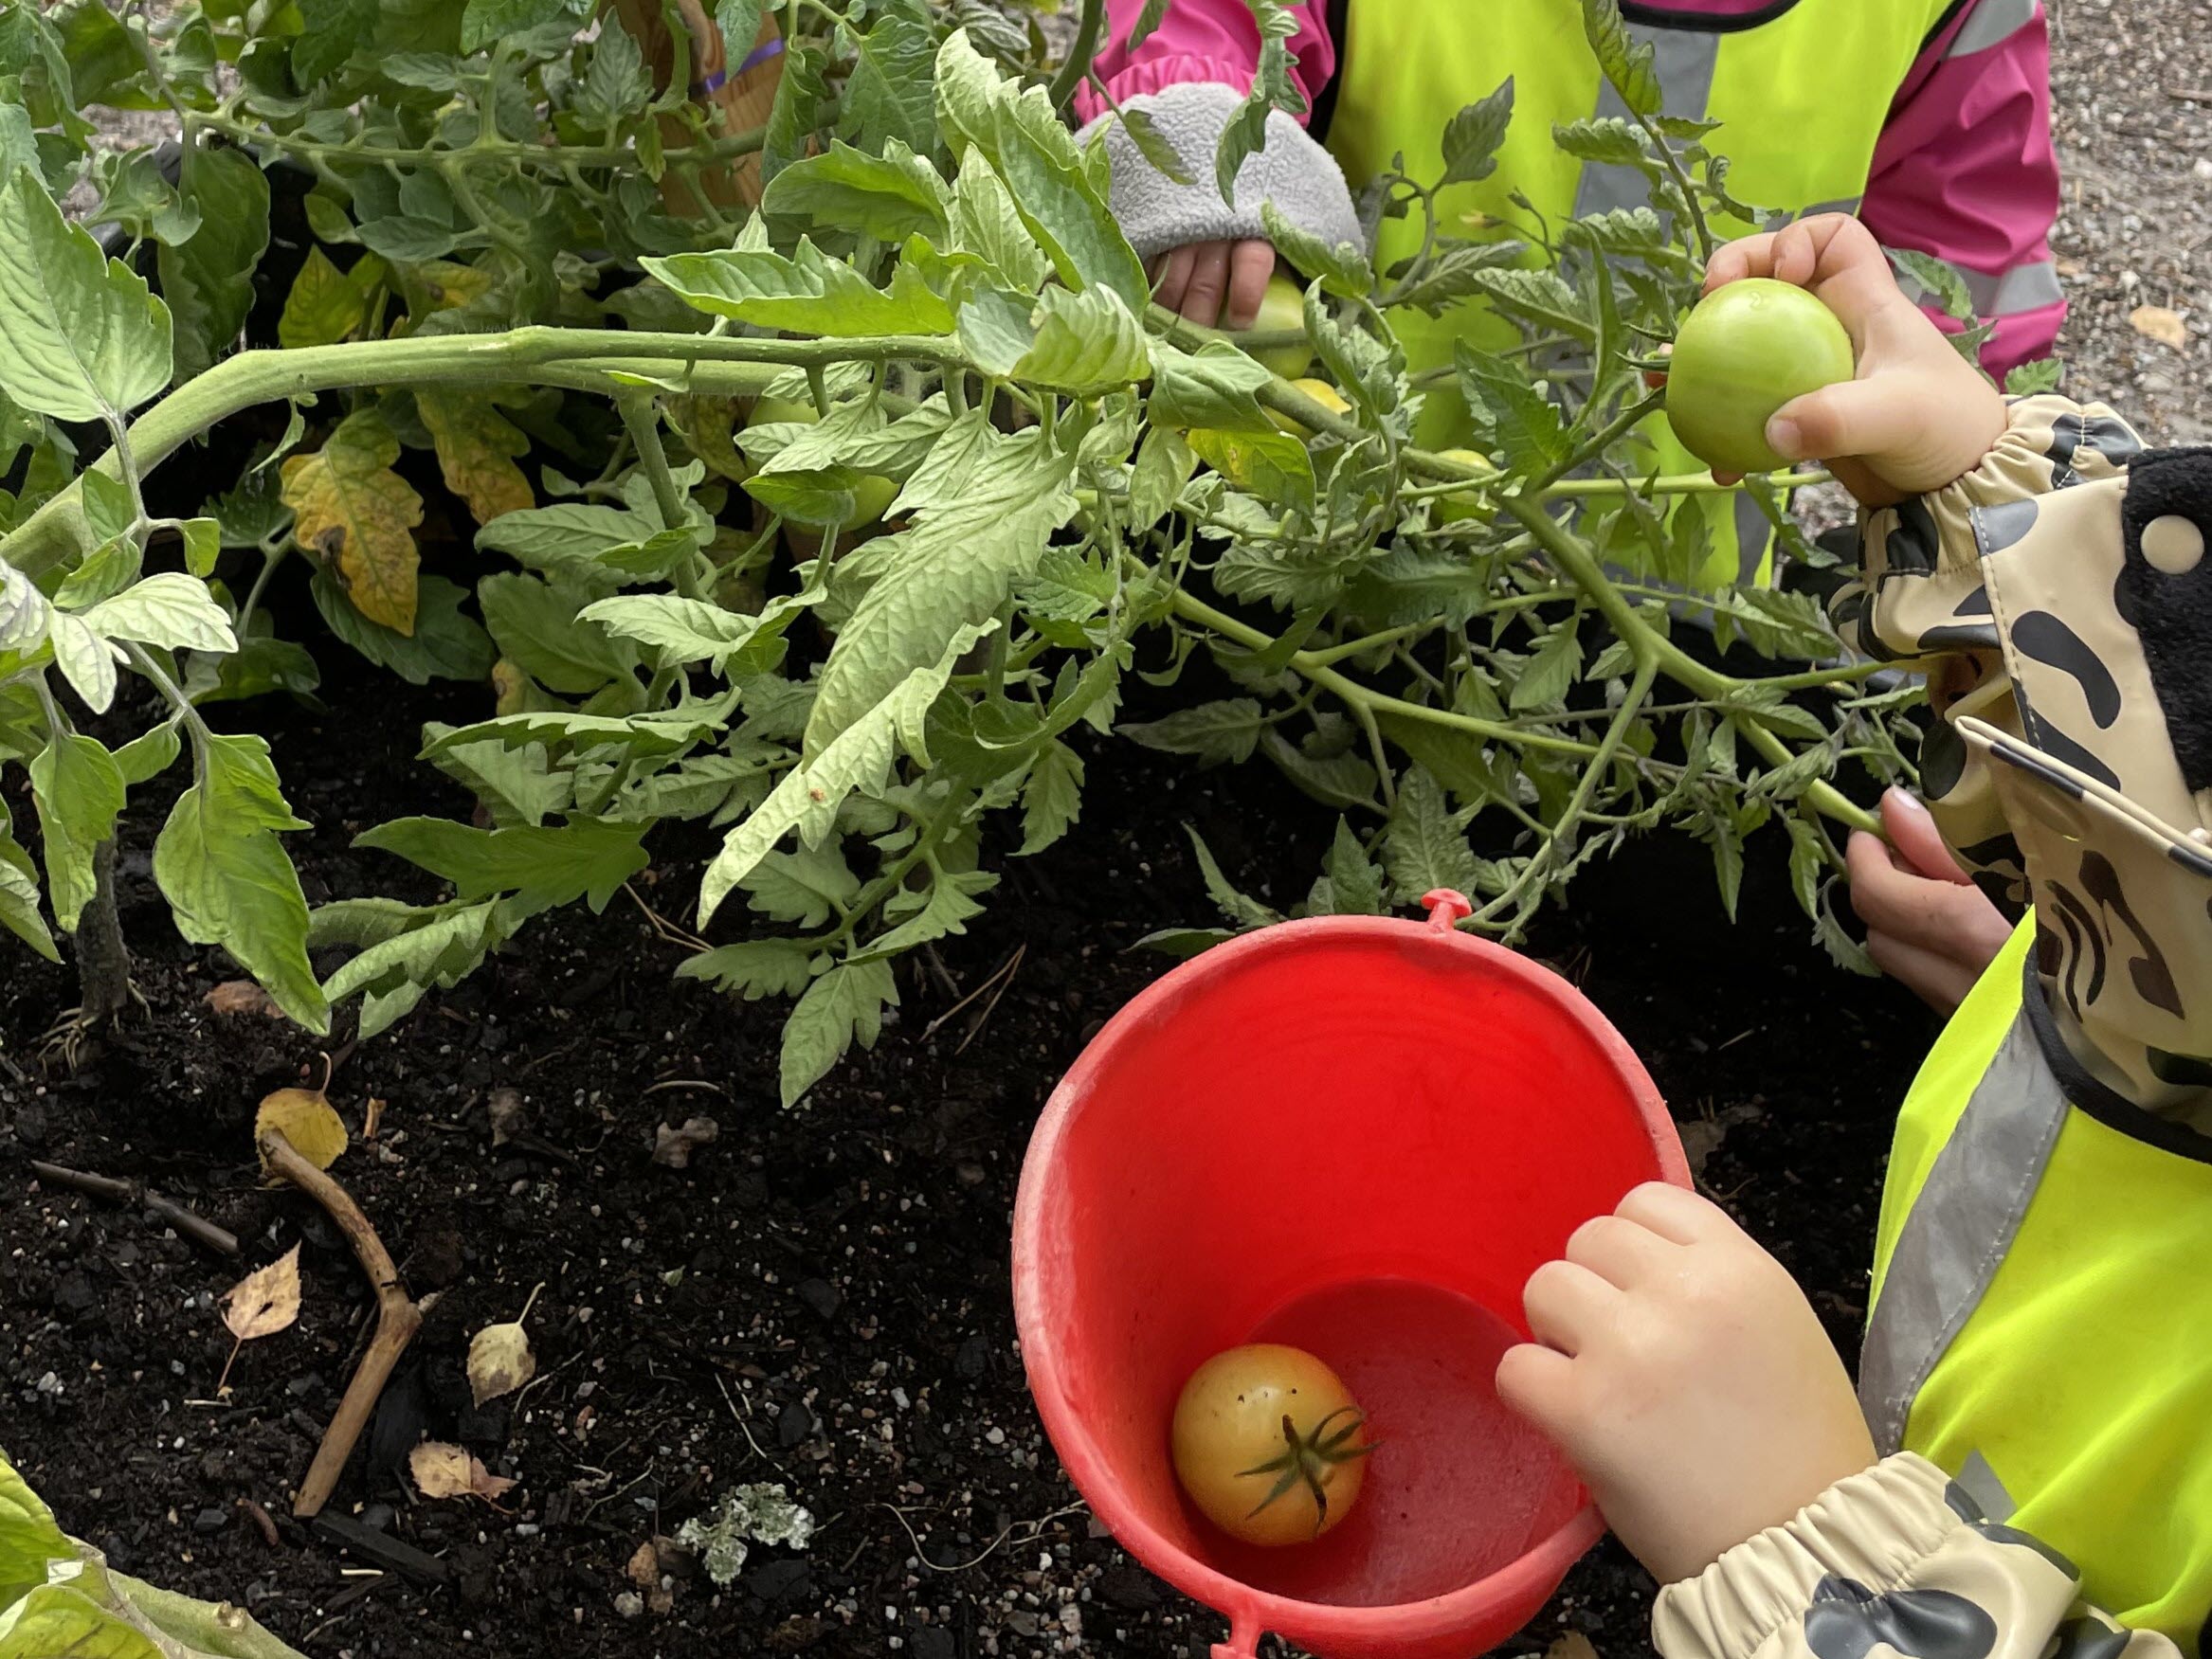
column 1746, row 350
column 1459, row 509
column 1322, row 393
column 1283, row 307
column 1269, row 1444
column 872, row 495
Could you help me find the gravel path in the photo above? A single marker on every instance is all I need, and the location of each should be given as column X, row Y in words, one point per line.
column 2132, row 85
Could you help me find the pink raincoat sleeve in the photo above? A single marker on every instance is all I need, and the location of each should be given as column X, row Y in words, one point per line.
column 1965, row 170
column 1203, row 40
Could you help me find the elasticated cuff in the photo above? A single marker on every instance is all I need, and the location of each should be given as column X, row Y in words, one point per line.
column 1875, row 1528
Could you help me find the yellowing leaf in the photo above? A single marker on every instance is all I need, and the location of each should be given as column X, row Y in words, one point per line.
column 305, row 1118
column 449, row 1471
column 442, row 285
column 360, row 516
column 325, row 306
column 500, row 1360
column 477, row 447
column 2155, row 322
column 265, row 1301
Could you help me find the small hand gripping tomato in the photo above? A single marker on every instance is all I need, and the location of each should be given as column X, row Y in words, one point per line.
column 1270, row 1443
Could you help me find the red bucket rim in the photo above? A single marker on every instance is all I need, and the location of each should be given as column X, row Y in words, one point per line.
column 1547, row 1560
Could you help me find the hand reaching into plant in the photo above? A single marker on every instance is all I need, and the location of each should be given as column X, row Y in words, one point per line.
column 1928, row 925
column 1215, row 284
column 1918, row 416
column 1682, row 1372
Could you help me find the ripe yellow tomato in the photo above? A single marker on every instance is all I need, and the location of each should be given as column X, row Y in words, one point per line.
column 1459, row 509
column 1746, row 350
column 1322, row 393
column 1270, row 1445
column 1283, row 306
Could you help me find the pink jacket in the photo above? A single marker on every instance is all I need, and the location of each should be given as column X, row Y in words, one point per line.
column 1965, row 168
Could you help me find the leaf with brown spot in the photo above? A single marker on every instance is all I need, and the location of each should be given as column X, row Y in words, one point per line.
column 476, row 448
column 360, row 515
column 242, row 997
column 306, row 1118
column 2155, row 322
column 448, row 1472
column 500, row 1360
column 265, row 1301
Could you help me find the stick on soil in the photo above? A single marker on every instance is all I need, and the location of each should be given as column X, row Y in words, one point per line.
column 196, row 1228
column 397, row 1319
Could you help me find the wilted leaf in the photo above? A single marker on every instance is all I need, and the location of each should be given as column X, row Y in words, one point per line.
column 305, row 1118
column 477, row 447
column 242, row 997
column 2155, row 322
column 500, row 1360
column 265, row 1301
column 449, row 1471
column 673, row 1147
column 505, row 1109
column 359, row 516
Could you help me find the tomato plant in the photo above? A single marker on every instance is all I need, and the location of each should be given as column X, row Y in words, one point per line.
column 518, row 291
column 1282, row 311
column 1269, row 1444
column 1745, row 350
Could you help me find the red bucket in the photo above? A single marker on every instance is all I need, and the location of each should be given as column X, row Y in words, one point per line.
column 1359, row 1136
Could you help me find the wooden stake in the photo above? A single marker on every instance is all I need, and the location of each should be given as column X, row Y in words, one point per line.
column 397, row 1320
column 739, row 96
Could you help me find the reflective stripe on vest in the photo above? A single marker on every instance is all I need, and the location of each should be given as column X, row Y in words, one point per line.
column 2042, row 1305
column 1802, row 94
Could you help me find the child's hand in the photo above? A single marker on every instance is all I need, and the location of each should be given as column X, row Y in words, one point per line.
column 1215, row 284
column 1928, row 925
column 1686, row 1377
column 1919, row 416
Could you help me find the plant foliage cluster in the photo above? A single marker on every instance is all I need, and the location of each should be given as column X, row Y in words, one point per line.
column 663, row 421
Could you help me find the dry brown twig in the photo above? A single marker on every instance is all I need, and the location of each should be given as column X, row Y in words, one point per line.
column 196, row 1228
column 397, row 1320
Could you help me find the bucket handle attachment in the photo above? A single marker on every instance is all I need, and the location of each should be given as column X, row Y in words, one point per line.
column 1244, row 1643
column 1447, row 908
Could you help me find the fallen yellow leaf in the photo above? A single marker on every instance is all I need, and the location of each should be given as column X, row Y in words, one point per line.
column 2154, row 322
column 359, row 516
column 477, row 447
column 449, row 1471
column 500, row 1360
column 265, row 1301
column 306, row 1118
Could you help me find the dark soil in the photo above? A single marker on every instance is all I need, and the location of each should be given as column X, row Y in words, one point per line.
column 820, row 1299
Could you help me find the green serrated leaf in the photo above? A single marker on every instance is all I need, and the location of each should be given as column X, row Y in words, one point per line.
column 1051, row 798
column 1625, row 60
column 1273, row 88
column 986, row 224
column 1246, row 913
column 984, row 505
column 888, row 94
column 2031, row 379
column 1342, row 269
column 79, row 789
column 1423, row 851
column 1355, row 886
column 209, row 280
column 81, row 335
column 1084, row 344
column 446, row 644
column 545, row 866
column 1220, row 733
column 808, row 293
column 1472, row 137
column 754, row 969
column 843, row 1006
column 947, row 910
column 224, row 872
column 1545, row 679
column 19, row 914
column 1051, row 186
column 889, row 196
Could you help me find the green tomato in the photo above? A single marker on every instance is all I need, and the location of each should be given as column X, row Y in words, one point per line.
column 1283, row 306
column 1746, row 350
column 783, row 412
column 873, row 494
column 1460, row 509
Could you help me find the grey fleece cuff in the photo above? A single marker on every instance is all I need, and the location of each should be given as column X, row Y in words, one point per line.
column 1293, row 171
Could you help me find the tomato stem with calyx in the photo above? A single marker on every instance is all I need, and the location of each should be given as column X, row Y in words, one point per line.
column 1309, row 1459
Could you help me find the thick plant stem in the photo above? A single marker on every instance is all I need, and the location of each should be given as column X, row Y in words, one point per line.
column 1071, row 73
column 579, row 359
column 104, row 961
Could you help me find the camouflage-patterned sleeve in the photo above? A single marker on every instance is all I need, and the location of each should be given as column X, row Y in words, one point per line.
column 2060, row 598
column 1898, row 1558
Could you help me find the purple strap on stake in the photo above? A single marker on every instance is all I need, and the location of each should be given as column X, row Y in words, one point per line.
column 761, row 54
